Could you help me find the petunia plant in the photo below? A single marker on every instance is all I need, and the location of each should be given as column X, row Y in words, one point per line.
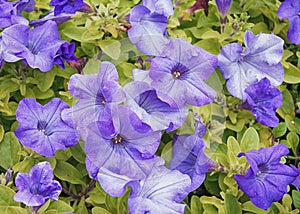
column 152, row 106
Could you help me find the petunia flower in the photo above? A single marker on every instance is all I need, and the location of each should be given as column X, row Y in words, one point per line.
column 41, row 127
column 36, row 47
column 95, row 92
column 65, row 53
column 147, row 30
column 161, row 192
column 267, row 179
column 58, row 19
column 290, row 9
column 120, row 145
column 9, row 15
column 263, row 99
column 180, row 71
column 223, row 6
column 37, row 187
column 164, row 7
column 143, row 100
column 189, row 157
column 66, row 6
column 261, row 58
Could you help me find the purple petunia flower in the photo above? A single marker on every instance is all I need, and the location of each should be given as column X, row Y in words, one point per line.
column 66, row 6
column 65, row 53
column 223, row 6
column 23, row 5
column 120, row 147
column 290, row 9
column 10, row 15
column 180, row 72
column 164, row 7
column 261, row 58
column 263, row 99
column 95, row 92
column 143, row 100
column 58, row 19
column 267, row 179
column 37, row 47
column 189, row 157
column 161, row 192
column 147, row 30
column 37, row 187
column 41, row 127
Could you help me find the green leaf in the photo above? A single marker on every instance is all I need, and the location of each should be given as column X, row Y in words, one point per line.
column 287, row 107
column 81, row 208
column 1, row 133
column 67, row 172
column 293, row 140
column 60, row 206
column 296, row 198
column 7, row 204
column 196, row 206
column 291, row 73
column 78, row 152
column 112, row 48
column 100, row 210
column 250, row 207
column 279, row 130
column 45, row 79
column 9, row 148
column 232, row 205
column 293, row 124
column 250, row 140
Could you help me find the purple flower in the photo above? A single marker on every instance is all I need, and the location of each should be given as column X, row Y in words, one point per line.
column 261, row 58
column 290, row 9
column 263, row 99
column 66, row 6
column 267, row 179
column 36, row 47
column 143, row 100
column 164, row 7
column 223, row 6
column 180, row 72
column 58, row 19
column 24, row 5
column 161, row 192
column 147, row 30
column 120, row 144
column 65, row 53
column 9, row 15
column 95, row 92
column 37, row 187
column 41, row 127
column 189, row 157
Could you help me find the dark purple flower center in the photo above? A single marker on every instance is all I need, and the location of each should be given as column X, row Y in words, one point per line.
column 118, row 139
column 179, row 71
column 100, row 99
column 149, row 101
column 42, row 127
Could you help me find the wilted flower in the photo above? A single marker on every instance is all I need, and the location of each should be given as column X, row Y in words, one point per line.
column 37, row 187
column 290, row 9
column 66, row 6
column 120, row 148
column 95, row 92
column 261, row 58
column 180, row 71
column 161, row 192
column 37, row 47
column 65, row 53
column 263, row 99
column 143, row 100
column 267, row 179
column 41, row 127
column 189, row 157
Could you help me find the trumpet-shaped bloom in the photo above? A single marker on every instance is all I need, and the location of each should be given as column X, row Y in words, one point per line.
column 260, row 59
column 223, row 6
column 161, row 192
column 290, row 9
column 143, row 100
column 120, row 147
column 37, row 187
column 95, row 92
column 267, row 179
column 189, row 157
column 147, row 30
column 41, row 127
column 180, row 72
column 161, row 7
column 66, row 6
column 263, row 99
column 37, row 47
